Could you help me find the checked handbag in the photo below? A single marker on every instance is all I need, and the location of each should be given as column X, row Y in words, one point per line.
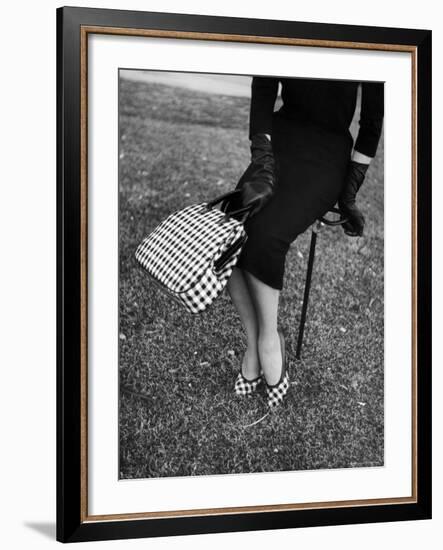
column 191, row 254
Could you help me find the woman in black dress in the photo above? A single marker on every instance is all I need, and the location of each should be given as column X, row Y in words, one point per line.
column 302, row 163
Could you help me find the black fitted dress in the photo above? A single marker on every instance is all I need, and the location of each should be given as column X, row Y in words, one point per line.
column 312, row 147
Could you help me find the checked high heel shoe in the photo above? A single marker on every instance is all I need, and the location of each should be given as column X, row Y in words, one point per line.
column 245, row 387
column 276, row 392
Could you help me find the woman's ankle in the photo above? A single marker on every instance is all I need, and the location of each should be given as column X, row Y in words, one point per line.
column 250, row 363
column 269, row 348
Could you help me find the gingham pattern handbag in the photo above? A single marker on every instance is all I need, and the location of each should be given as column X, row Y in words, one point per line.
column 191, row 254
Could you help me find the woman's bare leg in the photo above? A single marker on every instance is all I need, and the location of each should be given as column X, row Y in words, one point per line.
column 265, row 299
column 239, row 292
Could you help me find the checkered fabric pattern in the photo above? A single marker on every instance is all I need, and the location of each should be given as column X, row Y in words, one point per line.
column 180, row 253
column 277, row 393
column 245, row 387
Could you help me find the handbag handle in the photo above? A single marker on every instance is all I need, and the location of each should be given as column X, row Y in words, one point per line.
column 244, row 210
column 227, row 195
column 229, row 252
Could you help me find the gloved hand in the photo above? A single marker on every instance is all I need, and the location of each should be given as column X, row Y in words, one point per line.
column 258, row 181
column 346, row 202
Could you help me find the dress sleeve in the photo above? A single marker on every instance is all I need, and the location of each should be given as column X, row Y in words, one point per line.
column 263, row 96
column 371, row 118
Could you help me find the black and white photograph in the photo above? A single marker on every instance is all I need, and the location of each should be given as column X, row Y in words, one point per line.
column 243, row 224
column 217, row 275
column 251, row 274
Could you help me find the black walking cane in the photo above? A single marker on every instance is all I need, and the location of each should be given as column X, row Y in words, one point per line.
column 315, row 230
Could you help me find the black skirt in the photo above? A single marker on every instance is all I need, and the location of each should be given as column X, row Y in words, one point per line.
column 311, row 164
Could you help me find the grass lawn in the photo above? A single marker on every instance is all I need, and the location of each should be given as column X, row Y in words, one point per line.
column 178, row 415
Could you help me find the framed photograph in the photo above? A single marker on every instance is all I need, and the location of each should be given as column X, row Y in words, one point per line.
column 244, row 274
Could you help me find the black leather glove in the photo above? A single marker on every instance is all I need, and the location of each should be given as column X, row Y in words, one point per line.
column 354, row 179
column 258, row 181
